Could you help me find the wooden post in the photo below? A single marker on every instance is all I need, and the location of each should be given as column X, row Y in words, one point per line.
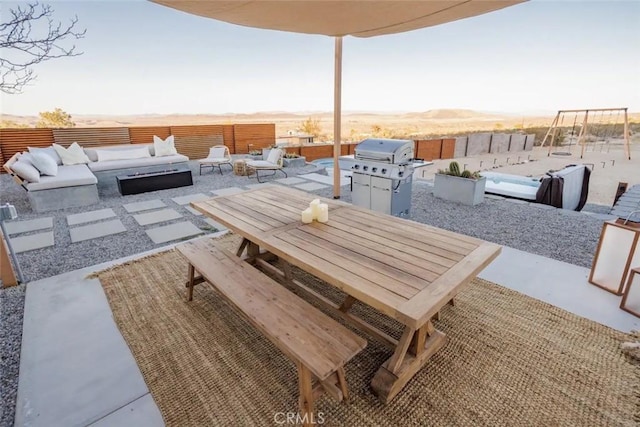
column 627, row 147
column 337, row 113
column 553, row 126
column 583, row 131
column 7, row 275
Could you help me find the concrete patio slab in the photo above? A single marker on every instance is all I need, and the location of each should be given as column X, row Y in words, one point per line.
column 17, row 227
column 142, row 412
column 32, row 242
column 327, row 179
column 561, row 284
column 155, row 217
column 215, row 224
column 228, row 191
column 75, row 367
column 493, row 196
column 93, row 231
column 311, row 186
column 167, row 233
column 291, row 180
column 144, row 206
column 259, row 185
column 185, row 200
column 91, row 216
column 193, row 211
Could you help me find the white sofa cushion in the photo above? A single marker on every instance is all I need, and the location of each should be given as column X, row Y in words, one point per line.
column 164, row 147
column 68, row 176
column 74, row 155
column 44, row 163
column 49, row 151
column 92, row 153
column 135, row 163
column 25, row 170
column 108, row 155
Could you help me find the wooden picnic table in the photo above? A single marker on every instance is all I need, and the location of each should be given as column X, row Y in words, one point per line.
column 404, row 269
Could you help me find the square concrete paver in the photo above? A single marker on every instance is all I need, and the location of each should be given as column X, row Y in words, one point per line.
column 93, row 231
column 291, row 180
column 81, row 218
column 193, row 211
column 156, row 216
column 17, row 227
column 144, row 206
column 311, row 186
column 33, row 242
column 215, row 224
column 228, row 191
column 259, row 185
column 171, row 232
column 185, row 200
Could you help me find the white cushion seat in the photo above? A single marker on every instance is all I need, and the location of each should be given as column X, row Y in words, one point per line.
column 273, row 162
column 263, row 164
column 134, row 163
column 68, row 176
column 218, row 155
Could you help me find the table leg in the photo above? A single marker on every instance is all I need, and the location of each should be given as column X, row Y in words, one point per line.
column 190, row 282
column 242, row 247
column 413, row 350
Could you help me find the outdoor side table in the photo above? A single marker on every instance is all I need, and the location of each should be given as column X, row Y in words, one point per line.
column 631, row 298
column 618, row 251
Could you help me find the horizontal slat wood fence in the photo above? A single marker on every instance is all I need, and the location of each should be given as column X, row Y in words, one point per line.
column 192, row 141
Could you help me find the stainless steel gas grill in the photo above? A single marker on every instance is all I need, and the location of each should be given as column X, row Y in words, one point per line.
column 382, row 175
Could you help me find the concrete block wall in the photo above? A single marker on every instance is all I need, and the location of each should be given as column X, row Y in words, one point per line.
column 478, row 143
column 528, row 145
column 517, row 142
column 499, row 143
column 461, row 147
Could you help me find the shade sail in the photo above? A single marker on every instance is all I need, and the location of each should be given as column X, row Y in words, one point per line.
column 359, row 18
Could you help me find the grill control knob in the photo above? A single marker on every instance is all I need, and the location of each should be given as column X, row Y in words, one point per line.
column 356, row 166
column 384, row 171
column 374, row 170
column 364, row 168
column 400, row 173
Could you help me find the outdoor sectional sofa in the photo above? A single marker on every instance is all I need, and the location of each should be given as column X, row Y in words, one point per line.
column 77, row 185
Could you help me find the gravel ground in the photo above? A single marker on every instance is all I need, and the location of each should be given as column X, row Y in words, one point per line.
column 563, row 235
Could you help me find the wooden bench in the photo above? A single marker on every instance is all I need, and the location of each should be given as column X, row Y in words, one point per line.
column 319, row 345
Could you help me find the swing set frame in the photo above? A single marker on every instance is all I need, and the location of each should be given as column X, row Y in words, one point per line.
column 558, row 120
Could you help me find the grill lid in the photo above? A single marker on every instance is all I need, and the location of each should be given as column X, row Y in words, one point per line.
column 394, row 151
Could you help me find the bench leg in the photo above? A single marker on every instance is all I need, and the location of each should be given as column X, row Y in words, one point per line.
column 342, row 381
column 191, row 282
column 306, row 394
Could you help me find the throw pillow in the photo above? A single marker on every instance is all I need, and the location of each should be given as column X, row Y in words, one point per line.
column 139, row 153
column 49, row 151
column 74, row 155
column 44, row 163
column 164, row 147
column 26, row 171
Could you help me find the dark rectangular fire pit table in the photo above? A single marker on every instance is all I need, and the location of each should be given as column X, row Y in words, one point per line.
column 152, row 181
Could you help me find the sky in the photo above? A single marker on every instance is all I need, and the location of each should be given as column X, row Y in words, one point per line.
column 536, row 57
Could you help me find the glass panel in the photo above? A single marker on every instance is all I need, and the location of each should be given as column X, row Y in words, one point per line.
column 632, row 300
column 609, row 267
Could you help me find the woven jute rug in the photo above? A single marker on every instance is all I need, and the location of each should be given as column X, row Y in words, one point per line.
column 510, row 360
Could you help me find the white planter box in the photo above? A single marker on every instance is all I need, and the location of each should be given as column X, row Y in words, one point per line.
column 462, row 190
column 296, row 162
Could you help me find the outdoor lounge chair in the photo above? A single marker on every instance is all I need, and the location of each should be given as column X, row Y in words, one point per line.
column 273, row 163
column 218, row 155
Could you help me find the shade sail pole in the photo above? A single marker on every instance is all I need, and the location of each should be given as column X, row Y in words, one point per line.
column 337, row 116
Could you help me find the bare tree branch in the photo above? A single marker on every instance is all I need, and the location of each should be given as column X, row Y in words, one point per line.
column 29, row 37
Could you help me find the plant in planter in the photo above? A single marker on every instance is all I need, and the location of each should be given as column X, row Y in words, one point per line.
column 464, row 187
column 294, row 160
column 255, row 154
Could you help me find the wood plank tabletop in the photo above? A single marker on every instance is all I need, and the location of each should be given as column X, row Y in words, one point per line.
column 405, row 269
